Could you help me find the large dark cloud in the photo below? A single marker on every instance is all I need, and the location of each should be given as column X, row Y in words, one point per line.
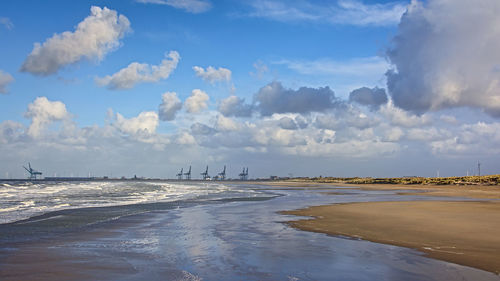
column 372, row 98
column 274, row 98
column 445, row 55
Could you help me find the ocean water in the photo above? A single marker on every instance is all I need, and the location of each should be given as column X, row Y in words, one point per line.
column 24, row 200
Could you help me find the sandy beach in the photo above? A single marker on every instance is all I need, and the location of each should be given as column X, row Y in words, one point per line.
column 462, row 232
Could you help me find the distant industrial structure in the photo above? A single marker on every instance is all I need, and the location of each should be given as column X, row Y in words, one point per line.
column 222, row 175
column 36, row 175
column 244, row 175
column 33, row 173
column 179, row 175
column 205, row 175
column 188, row 174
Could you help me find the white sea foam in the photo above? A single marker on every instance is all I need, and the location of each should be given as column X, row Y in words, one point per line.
column 22, row 201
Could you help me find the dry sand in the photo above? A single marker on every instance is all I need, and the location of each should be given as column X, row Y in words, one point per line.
column 466, row 233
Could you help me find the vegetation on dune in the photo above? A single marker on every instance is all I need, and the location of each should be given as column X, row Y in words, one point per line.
column 469, row 180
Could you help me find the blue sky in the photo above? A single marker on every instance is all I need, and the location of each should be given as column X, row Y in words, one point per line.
column 298, row 87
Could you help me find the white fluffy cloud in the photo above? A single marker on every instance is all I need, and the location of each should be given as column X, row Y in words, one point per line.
column 5, row 79
column 212, row 74
column 441, row 60
column 197, row 102
column 399, row 117
column 192, row 6
column 136, row 73
column 42, row 112
column 235, row 106
column 169, row 106
column 226, row 124
column 143, row 125
column 93, row 38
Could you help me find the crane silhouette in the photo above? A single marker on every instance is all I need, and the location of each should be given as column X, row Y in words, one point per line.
column 188, row 174
column 244, row 175
column 33, row 173
column 179, row 175
column 205, row 174
column 222, row 175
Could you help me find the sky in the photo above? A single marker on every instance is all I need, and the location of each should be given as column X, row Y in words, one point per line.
column 337, row 88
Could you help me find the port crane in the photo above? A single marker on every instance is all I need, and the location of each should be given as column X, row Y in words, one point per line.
column 244, row 174
column 179, row 175
column 205, row 174
column 33, row 173
column 222, row 175
column 188, row 174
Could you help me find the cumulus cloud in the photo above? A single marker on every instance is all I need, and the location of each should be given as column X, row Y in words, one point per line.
column 143, row 125
column 93, row 38
column 235, row 106
column 347, row 12
column 6, row 22
column 10, row 131
column 5, row 79
column 136, row 73
column 372, row 98
column 185, row 138
column 287, row 123
column 392, row 134
column 441, row 60
column 169, row 106
column 361, row 121
column 426, row 134
column 301, row 122
column 226, row 124
column 202, row 129
column 197, row 102
column 329, row 122
column 191, row 6
column 274, row 98
column 42, row 112
column 212, row 75
column 398, row 117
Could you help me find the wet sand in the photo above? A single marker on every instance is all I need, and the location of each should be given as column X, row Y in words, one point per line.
column 466, row 233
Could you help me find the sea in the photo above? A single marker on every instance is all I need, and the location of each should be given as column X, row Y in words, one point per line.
column 20, row 201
